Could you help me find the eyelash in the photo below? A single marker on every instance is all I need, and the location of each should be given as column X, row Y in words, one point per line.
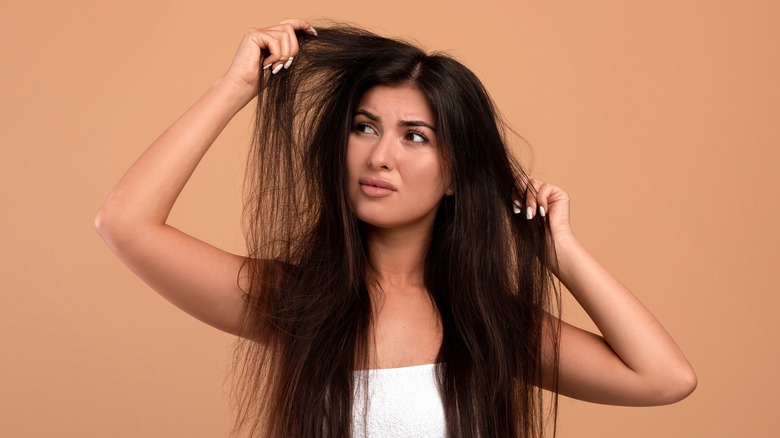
column 359, row 126
column 416, row 132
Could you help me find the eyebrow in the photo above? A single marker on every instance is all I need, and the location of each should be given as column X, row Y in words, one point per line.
column 376, row 118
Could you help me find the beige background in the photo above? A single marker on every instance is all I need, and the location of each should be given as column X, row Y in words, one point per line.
column 661, row 120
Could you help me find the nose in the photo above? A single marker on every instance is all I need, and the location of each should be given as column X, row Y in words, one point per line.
column 382, row 156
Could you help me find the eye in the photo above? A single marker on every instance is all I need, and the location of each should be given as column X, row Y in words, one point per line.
column 363, row 128
column 417, row 137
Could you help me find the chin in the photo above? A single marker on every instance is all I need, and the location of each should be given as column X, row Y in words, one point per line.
column 389, row 221
column 377, row 220
column 393, row 215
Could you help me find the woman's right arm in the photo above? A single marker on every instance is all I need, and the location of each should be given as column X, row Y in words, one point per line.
column 193, row 275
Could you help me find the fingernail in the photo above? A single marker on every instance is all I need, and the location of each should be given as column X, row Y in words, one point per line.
column 267, row 66
column 516, row 208
column 312, row 31
column 288, row 63
column 277, row 68
column 541, row 211
column 529, row 213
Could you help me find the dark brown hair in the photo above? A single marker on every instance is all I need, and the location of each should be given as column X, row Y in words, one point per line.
column 308, row 320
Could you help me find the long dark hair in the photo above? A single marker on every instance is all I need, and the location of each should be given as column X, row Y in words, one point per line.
column 308, row 320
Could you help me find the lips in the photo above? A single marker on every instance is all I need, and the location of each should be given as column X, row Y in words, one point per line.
column 376, row 182
column 375, row 187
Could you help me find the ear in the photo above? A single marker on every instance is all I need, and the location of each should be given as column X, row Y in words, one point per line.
column 450, row 189
column 449, row 183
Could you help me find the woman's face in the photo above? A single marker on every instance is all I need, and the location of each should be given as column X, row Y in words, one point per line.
column 394, row 168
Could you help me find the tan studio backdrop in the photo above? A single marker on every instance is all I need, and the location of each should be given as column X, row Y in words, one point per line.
column 662, row 120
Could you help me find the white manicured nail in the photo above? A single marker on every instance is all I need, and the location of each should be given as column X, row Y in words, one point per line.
column 267, row 66
column 287, row 64
column 311, row 31
column 277, row 69
column 516, row 208
column 541, row 211
column 529, row 213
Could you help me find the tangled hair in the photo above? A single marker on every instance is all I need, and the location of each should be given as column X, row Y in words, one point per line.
column 307, row 325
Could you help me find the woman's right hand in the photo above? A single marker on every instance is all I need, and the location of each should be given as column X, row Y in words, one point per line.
column 276, row 46
column 195, row 276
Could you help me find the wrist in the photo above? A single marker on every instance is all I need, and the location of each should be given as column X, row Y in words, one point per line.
column 237, row 90
column 563, row 240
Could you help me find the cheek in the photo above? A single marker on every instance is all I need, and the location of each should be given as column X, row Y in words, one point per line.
column 428, row 178
column 354, row 160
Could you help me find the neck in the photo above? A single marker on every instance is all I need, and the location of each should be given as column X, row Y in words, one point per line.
column 398, row 256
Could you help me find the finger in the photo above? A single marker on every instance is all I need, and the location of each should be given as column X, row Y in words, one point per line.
column 517, row 202
column 288, row 45
column 291, row 42
column 273, row 46
column 276, row 42
column 284, row 51
column 268, row 44
column 300, row 24
column 284, row 32
column 543, row 198
column 531, row 190
column 517, row 207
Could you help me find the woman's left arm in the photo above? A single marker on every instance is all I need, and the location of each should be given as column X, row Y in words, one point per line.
column 636, row 362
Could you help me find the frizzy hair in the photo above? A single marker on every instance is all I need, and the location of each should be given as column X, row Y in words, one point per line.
column 307, row 325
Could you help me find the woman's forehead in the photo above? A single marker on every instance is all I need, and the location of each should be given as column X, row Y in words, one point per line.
column 401, row 102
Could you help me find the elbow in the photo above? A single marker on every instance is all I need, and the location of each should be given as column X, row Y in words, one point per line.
column 104, row 224
column 110, row 226
column 99, row 222
column 687, row 384
column 122, row 228
column 677, row 386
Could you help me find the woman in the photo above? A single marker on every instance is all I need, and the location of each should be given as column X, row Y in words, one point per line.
column 386, row 252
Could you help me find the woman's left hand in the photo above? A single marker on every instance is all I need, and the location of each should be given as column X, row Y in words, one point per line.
column 550, row 202
column 635, row 362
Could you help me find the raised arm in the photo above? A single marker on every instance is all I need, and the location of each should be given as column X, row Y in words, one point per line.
column 193, row 275
column 635, row 362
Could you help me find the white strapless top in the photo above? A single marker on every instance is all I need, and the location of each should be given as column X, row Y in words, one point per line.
column 402, row 403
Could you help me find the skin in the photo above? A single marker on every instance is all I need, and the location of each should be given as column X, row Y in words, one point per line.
column 633, row 362
column 393, row 141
